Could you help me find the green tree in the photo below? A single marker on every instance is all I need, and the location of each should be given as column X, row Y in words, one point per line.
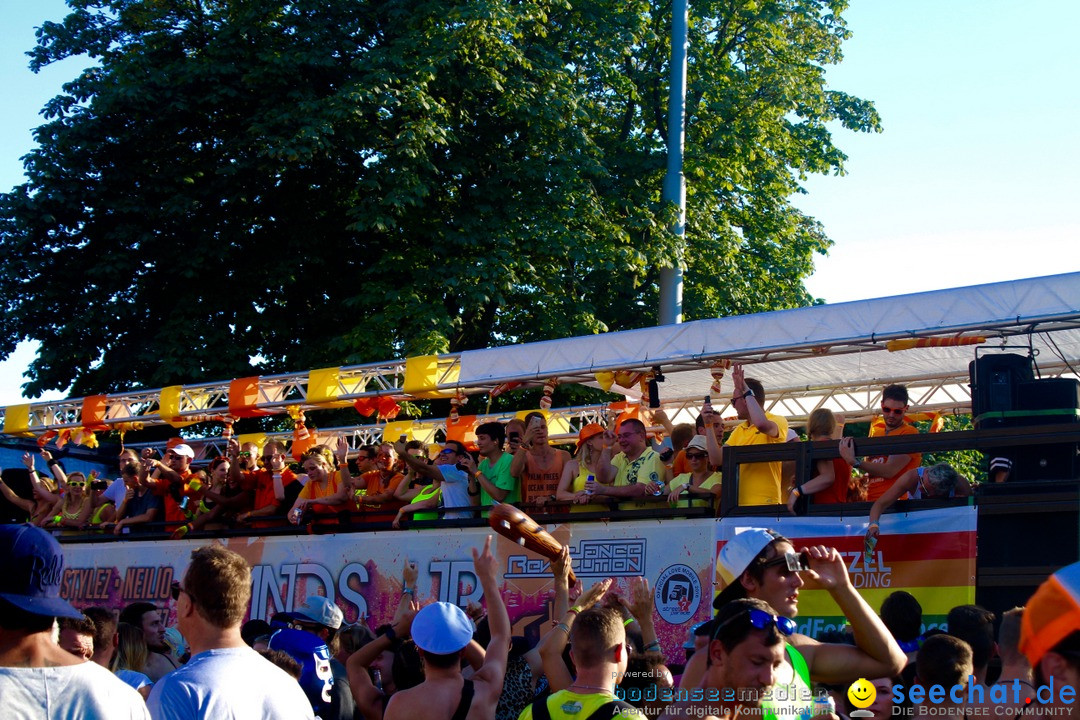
column 338, row 181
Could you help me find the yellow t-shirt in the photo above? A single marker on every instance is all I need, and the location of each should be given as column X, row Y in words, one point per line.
column 687, row 479
column 759, row 483
column 648, row 468
column 578, row 485
column 567, row 705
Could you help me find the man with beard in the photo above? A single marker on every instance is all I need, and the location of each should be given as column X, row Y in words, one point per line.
column 883, row 471
column 147, row 617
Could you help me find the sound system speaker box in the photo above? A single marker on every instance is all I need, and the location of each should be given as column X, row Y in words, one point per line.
column 1050, row 401
column 995, row 381
column 1049, row 394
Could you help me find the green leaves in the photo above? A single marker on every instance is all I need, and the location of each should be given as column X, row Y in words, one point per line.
column 339, row 181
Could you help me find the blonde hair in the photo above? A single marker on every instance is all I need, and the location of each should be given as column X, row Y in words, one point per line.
column 131, row 650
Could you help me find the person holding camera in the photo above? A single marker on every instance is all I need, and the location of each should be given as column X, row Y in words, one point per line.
column 763, row 564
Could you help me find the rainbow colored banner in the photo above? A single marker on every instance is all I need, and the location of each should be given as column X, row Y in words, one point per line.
column 929, row 553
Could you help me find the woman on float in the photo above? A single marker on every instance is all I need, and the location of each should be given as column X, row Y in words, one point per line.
column 74, row 508
column 700, row 482
column 43, row 496
column 831, row 476
column 593, row 447
column 324, row 489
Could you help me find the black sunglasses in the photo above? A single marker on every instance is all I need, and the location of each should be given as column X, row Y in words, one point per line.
column 175, row 590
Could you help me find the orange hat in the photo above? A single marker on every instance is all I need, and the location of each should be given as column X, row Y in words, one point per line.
column 1052, row 613
column 590, row 430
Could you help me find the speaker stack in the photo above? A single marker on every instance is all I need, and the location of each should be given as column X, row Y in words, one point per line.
column 1005, row 393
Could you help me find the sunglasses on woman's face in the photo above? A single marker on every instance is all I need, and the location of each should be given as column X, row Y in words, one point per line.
column 76, row 483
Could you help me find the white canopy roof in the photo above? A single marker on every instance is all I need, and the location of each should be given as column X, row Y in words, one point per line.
column 825, row 350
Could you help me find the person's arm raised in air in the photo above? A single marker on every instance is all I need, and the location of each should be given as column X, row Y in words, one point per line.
column 875, row 653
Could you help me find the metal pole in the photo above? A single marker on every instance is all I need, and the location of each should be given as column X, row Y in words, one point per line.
column 671, row 278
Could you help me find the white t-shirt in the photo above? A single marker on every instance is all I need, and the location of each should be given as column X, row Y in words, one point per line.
column 116, row 491
column 231, row 684
column 73, row 691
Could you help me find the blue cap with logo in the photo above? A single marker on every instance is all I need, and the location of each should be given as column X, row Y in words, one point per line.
column 31, row 568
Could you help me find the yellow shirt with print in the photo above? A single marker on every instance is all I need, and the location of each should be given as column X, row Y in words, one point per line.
column 648, row 468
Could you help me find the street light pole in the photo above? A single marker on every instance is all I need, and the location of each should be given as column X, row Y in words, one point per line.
column 671, row 277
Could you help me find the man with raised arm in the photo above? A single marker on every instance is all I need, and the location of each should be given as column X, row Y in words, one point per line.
column 762, row 564
column 759, row 483
column 441, row 632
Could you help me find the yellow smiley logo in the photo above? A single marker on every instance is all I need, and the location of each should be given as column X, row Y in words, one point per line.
column 862, row 693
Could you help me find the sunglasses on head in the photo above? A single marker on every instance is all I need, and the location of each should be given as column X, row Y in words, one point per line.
column 760, row 620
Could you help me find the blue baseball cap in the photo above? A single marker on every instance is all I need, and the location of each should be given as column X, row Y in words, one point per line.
column 31, row 568
column 441, row 628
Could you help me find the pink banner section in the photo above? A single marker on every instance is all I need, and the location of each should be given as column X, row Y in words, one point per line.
column 362, row 572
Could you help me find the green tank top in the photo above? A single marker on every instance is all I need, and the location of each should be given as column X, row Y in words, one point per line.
column 429, row 492
column 793, row 699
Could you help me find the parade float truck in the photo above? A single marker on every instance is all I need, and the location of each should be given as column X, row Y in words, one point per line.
column 1003, row 354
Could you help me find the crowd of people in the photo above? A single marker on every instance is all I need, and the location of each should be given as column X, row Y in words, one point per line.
column 625, row 467
column 599, row 658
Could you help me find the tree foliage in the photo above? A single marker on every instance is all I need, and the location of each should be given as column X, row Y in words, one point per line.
column 323, row 182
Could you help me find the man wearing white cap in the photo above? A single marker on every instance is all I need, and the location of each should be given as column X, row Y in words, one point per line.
column 441, row 631
column 762, row 564
column 169, row 478
column 38, row 678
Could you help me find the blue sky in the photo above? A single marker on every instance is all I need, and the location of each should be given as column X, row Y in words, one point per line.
column 973, row 180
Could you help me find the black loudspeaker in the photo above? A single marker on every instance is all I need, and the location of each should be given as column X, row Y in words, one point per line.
column 1050, row 394
column 1050, row 401
column 995, row 381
